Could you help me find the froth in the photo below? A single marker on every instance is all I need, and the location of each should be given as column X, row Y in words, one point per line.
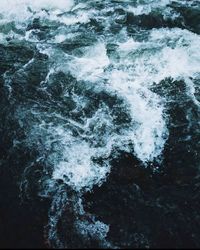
column 35, row 4
column 21, row 10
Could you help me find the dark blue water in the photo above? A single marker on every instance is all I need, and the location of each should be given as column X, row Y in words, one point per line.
column 99, row 131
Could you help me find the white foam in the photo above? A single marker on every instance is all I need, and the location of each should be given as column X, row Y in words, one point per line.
column 15, row 6
column 2, row 39
column 74, row 160
column 97, row 230
column 146, row 7
column 92, row 65
column 81, row 16
column 175, row 56
column 77, row 168
column 60, row 38
column 179, row 54
column 148, row 135
column 22, row 10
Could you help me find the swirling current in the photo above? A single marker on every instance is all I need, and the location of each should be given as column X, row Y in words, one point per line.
column 99, row 131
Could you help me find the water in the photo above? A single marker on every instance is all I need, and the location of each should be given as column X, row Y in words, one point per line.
column 99, row 123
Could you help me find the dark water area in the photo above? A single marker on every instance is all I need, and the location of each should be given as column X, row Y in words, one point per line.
column 99, row 131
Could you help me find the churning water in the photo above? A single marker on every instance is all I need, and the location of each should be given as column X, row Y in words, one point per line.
column 100, row 122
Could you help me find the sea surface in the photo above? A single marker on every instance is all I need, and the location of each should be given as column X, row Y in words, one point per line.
column 99, row 124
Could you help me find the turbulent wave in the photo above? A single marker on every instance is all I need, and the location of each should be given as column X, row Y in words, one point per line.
column 86, row 83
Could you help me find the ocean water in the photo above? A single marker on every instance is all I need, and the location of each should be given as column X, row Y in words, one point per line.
column 99, row 132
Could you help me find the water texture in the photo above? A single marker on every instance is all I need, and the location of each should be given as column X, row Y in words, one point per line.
column 99, row 131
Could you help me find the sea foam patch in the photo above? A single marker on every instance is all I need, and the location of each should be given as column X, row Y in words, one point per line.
column 15, row 6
